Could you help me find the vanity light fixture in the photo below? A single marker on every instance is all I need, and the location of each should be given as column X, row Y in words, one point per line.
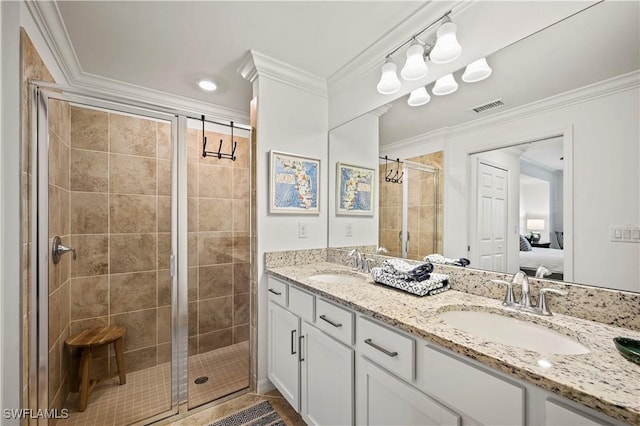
column 447, row 48
column 445, row 85
column 477, row 71
column 419, row 97
column 207, row 85
column 415, row 67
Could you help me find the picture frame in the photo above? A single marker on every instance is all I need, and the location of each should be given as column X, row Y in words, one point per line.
column 355, row 186
column 294, row 184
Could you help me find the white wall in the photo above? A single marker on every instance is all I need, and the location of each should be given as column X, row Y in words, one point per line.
column 534, row 204
column 10, row 248
column 605, row 155
column 355, row 143
column 295, row 121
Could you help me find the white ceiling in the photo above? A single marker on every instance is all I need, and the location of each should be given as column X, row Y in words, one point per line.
column 167, row 46
column 594, row 45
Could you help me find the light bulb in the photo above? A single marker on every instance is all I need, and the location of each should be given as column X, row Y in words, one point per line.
column 207, row 85
column 418, row 97
column 414, row 68
column 447, row 47
column 445, row 85
column 477, row 71
column 389, row 82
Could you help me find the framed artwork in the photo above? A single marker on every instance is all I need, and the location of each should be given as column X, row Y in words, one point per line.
column 294, row 184
column 354, row 191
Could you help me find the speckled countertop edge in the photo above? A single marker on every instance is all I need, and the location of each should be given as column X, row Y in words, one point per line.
column 601, row 379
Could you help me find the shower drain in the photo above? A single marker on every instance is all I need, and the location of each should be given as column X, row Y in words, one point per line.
column 201, row 380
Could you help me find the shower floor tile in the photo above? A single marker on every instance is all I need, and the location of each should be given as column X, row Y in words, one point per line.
column 148, row 392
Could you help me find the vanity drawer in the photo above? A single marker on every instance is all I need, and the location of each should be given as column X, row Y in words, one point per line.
column 458, row 384
column 388, row 348
column 277, row 291
column 335, row 321
column 301, row 303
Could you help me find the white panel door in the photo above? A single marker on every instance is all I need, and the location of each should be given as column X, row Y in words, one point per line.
column 327, row 368
column 384, row 399
column 492, row 217
column 284, row 367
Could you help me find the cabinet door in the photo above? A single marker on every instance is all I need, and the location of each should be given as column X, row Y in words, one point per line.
column 327, row 368
column 557, row 414
column 384, row 399
column 284, row 368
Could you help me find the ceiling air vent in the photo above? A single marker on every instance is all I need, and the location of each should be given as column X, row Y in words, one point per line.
column 491, row 105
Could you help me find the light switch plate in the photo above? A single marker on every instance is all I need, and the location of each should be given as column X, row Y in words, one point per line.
column 302, row 230
column 348, row 230
column 624, row 234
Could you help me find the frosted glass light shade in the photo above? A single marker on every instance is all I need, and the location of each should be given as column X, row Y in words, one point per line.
column 389, row 82
column 477, row 71
column 419, row 97
column 207, row 85
column 445, row 85
column 414, row 68
column 447, row 47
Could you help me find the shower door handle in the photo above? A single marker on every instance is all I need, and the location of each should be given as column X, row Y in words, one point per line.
column 57, row 250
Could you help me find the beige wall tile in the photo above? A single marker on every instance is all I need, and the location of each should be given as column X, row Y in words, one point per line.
column 79, row 325
column 214, row 248
column 164, row 214
column 132, row 135
column 241, row 247
column 215, row 314
column 132, row 214
column 241, row 278
column 55, row 169
column 164, row 353
column 89, row 213
column 193, row 284
column 89, row 171
column 215, row 181
column 54, row 318
column 193, row 345
column 240, row 215
column 137, row 360
column 89, row 297
column 141, row 328
column 241, row 309
column 54, row 371
column 241, row 333
column 215, row 340
column 164, row 140
column 242, row 153
column 241, row 184
column 64, row 213
column 215, row 281
column 192, row 255
column 65, row 161
column 132, row 253
column 133, row 292
column 92, row 255
column 164, row 251
column 55, row 211
column 215, row 215
column 192, row 179
column 164, row 324
column 164, row 288
column 164, row 177
column 89, row 129
column 65, row 263
column 132, row 175
column 193, row 319
column 194, row 145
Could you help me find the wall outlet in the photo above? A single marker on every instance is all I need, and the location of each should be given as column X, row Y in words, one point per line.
column 302, row 230
column 348, row 232
column 625, row 234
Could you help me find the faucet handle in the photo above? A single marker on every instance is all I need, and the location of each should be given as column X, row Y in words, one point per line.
column 509, row 297
column 367, row 263
column 542, row 300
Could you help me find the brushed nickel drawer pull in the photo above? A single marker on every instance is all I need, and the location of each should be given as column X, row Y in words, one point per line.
column 300, row 345
column 277, row 293
column 293, row 338
column 324, row 318
column 380, row 348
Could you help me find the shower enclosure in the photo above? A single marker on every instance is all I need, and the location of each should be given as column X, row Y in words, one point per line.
column 410, row 220
column 151, row 236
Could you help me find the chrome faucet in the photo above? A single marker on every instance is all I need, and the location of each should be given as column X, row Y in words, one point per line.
column 360, row 262
column 525, row 304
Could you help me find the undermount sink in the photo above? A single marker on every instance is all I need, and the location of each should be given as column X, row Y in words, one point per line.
column 333, row 278
column 513, row 332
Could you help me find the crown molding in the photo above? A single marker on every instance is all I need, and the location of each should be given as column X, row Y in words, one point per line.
column 256, row 64
column 380, row 111
column 47, row 18
column 583, row 94
column 373, row 56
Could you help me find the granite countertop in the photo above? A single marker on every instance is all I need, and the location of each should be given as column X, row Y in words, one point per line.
column 601, row 379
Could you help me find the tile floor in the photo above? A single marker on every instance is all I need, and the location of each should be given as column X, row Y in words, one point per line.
column 148, row 392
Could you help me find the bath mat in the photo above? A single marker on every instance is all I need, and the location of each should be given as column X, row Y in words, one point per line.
column 260, row 414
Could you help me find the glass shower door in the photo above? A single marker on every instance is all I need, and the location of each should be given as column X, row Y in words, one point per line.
column 104, row 260
column 420, row 214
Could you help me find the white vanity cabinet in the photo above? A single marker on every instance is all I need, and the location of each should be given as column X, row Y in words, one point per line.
column 312, row 370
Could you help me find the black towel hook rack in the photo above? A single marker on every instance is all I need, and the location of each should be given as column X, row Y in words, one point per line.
column 388, row 173
column 219, row 153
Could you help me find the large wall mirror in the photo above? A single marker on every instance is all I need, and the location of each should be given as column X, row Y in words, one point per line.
column 547, row 174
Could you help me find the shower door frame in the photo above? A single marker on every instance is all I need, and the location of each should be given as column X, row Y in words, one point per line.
column 404, row 233
column 40, row 94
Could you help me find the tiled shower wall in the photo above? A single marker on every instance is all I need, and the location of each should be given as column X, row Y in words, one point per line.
column 218, row 228
column 422, row 214
column 120, row 224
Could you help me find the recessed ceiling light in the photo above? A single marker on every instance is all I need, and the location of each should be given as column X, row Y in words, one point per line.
column 207, row 85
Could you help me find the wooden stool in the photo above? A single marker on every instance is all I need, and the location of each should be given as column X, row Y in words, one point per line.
column 95, row 337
